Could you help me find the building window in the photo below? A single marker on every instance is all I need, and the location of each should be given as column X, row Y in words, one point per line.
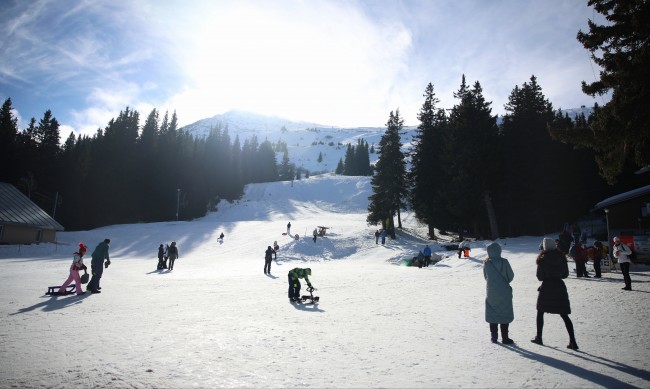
column 39, row 235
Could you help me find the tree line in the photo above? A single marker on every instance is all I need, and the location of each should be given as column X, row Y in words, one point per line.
column 128, row 172
column 539, row 167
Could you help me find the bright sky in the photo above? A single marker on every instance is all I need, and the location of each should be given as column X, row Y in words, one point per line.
column 341, row 63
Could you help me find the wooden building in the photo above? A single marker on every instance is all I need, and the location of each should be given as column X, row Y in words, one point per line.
column 22, row 221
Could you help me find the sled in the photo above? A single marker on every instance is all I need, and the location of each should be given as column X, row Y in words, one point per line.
column 314, row 299
column 54, row 290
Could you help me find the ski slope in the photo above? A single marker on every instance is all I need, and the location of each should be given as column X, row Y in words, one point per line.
column 217, row 321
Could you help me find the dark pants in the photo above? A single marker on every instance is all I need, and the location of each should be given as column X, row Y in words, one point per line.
column 581, row 268
column 294, row 288
column 427, row 261
column 567, row 323
column 161, row 263
column 172, row 259
column 597, row 268
column 625, row 269
column 97, row 269
column 267, row 265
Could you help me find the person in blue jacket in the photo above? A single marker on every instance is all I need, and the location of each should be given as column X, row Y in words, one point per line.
column 498, row 302
column 427, row 255
column 294, row 282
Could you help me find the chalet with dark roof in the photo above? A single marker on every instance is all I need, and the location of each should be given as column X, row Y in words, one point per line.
column 22, row 221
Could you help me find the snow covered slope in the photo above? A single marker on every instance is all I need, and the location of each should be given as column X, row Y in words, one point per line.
column 217, row 321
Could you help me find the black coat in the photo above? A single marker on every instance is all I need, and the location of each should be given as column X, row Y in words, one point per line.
column 553, row 297
column 268, row 254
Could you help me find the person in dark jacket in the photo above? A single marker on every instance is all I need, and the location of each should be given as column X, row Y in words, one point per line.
column 552, row 268
column 294, row 277
column 97, row 265
column 597, row 257
column 268, row 257
column 161, row 256
column 565, row 239
column 173, row 255
column 498, row 302
column 579, row 253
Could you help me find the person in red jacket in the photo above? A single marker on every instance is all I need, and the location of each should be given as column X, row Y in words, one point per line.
column 579, row 254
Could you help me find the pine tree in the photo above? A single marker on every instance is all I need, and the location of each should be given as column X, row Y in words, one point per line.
column 427, row 172
column 620, row 131
column 8, row 142
column 471, row 154
column 389, row 185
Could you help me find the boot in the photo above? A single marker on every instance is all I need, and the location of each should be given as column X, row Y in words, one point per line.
column 537, row 340
column 494, row 332
column 572, row 345
column 504, row 335
column 494, row 337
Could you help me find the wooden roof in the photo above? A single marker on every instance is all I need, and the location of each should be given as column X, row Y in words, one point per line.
column 18, row 209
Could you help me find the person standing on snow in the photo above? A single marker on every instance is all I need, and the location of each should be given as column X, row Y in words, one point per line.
column 97, row 265
column 315, row 233
column 579, row 254
column 553, row 297
column 294, row 277
column 289, row 228
column 383, row 236
column 427, row 255
column 173, row 255
column 377, row 237
column 77, row 264
column 268, row 257
column 161, row 255
column 498, row 303
column 622, row 254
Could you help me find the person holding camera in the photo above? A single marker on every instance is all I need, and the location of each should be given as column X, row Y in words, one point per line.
column 622, row 254
column 97, row 265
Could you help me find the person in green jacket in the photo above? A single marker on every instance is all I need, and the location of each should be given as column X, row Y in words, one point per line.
column 294, row 282
column 97, row 265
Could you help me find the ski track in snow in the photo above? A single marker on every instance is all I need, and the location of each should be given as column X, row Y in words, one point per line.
column 217, row 321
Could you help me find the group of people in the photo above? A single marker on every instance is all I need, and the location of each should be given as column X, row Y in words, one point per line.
column 100, row 260
column 167, row 252
column 381, row 234
column 552, row 268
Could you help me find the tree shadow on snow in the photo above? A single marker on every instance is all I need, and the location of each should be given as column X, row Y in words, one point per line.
column 595, row 377
column 53, row 303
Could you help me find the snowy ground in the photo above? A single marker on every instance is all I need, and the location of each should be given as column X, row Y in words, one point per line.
column 217, row 321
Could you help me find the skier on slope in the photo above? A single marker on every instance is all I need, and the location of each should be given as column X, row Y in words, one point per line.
column 294, row 277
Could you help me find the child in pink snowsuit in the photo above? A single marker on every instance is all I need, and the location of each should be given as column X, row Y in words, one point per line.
column 77, row 264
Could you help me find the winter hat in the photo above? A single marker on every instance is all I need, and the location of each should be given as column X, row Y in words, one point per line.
column 548, row 244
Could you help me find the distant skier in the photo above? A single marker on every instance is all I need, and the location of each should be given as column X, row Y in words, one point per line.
column 289, row 228
column 294, row 277
column 173, row 255
column 267, row 260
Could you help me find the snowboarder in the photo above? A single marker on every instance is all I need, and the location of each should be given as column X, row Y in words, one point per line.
column 97, row 265
column 77, row 264
column 498, row 303
column 173, row 255
column 553, row 297
column 294, row 277
column 161, row 256
column 267, row 260
column 427, row 255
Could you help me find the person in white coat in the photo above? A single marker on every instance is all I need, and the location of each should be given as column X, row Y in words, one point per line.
column 622, row 254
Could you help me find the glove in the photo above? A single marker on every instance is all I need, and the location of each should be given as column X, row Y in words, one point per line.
column 309, row 285
column 106, row 264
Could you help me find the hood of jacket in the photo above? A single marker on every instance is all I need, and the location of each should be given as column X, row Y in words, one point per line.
column 494, row 250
